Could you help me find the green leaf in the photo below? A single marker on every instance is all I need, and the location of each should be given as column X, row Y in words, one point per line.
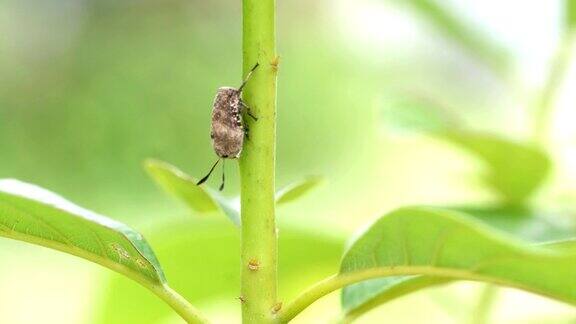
column 204, row 200
column 200, row 199
column 297, row 189
column 450, row 246
column 215, row 268
column 522, row 222
column 513, row 170
column 32, row 214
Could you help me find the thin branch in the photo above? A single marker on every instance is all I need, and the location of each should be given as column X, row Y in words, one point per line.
column 485, row 303
column 188, row 312
column 335, row 282
column 546, row 100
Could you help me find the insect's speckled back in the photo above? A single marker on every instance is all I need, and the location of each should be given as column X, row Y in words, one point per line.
column 227, row 132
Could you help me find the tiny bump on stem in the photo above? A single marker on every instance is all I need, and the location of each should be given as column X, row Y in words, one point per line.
column 253, row 265
column 276, row 308
column 274, row 63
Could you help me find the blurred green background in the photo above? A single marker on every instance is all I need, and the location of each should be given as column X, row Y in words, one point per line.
column 91, row 88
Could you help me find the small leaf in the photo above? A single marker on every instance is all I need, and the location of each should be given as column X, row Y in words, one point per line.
column 35, row 215
column 514, row 170
column 297, row 189
column 450, row 246
column 202, row 199
column 199, row 198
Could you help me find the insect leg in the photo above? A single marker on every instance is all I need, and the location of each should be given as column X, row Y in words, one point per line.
column 248, row 111
column 247, row 78
column 208, row 175
column 222, row 185
column 246, row 132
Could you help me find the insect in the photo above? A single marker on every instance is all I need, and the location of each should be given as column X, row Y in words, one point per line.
column 228, row 130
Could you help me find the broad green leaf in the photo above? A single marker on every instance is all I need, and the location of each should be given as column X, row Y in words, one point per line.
column 297, row 189
column 215, row 268
column 200, row 199
column 32, row 214
column 521, row 222
column 513, row 170
column 451, row 246
column 462, row 33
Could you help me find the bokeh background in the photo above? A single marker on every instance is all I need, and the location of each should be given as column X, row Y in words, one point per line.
column 91, row 88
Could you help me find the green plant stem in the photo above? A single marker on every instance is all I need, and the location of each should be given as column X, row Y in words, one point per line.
column 486, row 301
column 546, row 100
column 257, row 164
column 178, row 304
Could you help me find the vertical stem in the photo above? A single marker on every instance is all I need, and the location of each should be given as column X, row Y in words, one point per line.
column 257, row 164
column 486, row 301
column 546, row 100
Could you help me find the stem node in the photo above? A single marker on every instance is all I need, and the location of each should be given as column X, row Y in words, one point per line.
column 253, row 265
column 276, row 308
column 274, row 63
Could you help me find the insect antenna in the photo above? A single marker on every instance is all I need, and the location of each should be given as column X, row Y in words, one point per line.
column 222, row 185
column 247, row 77
column 208, row 175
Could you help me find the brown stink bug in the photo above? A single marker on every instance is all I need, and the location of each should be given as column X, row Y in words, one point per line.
column 228, row 130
